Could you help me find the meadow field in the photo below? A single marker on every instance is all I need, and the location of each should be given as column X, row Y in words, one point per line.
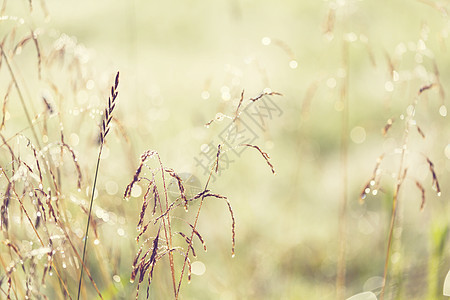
column 224, row 149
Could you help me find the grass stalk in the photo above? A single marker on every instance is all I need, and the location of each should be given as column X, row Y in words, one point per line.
column 89, row 221
column 22, row 100
column 400, row 178
column 194, row 226
column 37, row 233
column 342, row 222
column 104, row 129
column 168, row 229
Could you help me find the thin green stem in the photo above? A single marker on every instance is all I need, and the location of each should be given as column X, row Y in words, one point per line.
column 89, row 218
column 400, row 177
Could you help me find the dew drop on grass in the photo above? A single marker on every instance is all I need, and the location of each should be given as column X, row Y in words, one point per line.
column 116, row 278
column 389, row 86
column 331, row 82
column 266, row 41
column 198, row 268
column 204, row 148
column 226, row 96
column 395, row 75
column 96, row 242
column 443, row 111
column 136, row 191
column 220, row 116
column 351, row 37
column 293, row 64
column 205, row 95
column 120, row 232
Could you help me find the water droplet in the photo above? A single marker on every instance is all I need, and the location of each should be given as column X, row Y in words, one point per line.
column 395, row 75
column 116, row 278
column 331, row 83
column 266, row 41
column 204, row 148
column 96, row 242
column 226, row 96
column 389, row 86
column 198, row 268
column 293, row 64
column 205, row 95
column 351, row 37
column 136, row 191
column 120, row 232
column 443, row 110
column 220, row 116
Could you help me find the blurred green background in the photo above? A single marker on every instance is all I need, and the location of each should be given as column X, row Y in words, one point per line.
column 182, row 62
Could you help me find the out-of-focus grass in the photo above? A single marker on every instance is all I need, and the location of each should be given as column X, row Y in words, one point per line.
column 169, row 53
